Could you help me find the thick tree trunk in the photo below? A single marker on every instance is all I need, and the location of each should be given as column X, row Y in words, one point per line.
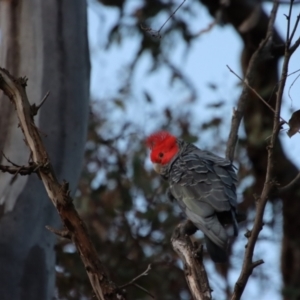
column 46, row 41
column 251, row 23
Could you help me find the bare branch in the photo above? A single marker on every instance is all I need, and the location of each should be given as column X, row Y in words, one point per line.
column 238, row 113
column 289, row 92
column 35, row 108
column 208, row 28
column 144, row 290
column 295, row 28
column 191, row 255
column 156, row 33
column 257, row 263
column 255, row 92
column 10, row 161
column 248, row 264
column 172, row 14
column 145, row 273
column 22, row 170
column 286, row 188
column 289, row 48
column 59, row 194
column 65, row 233
column 133, row 281
column 16, row 169
column 295, row 46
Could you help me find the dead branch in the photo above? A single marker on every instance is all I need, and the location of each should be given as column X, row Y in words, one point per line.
column 290, row 185
column 22, row 170
column 59, row 194
column 133, row 281
column 35, row 108
column 194, row 270
column 156, row 33
column 145, row 273
column 65, row 233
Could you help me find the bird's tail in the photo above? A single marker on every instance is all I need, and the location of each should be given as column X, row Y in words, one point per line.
column 215, row 237
column 217, row 254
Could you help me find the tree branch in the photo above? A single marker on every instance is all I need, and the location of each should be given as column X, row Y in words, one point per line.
column 35, row 108
column 22, row 170
column 145, row 273
column 59, row 194
column 133, row 281
column 260, row 54
column 290, row 185
column 191, row 255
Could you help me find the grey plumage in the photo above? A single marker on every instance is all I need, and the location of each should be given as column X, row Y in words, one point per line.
column 205, row 187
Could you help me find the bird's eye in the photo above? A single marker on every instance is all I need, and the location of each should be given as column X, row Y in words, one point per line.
column 160, row 154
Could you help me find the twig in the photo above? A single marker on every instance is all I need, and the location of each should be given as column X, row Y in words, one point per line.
column 16, row 169
column 289, row 185
column 144, row 290
column 255, row 92
column 133, row 282
column 172, row 14
column 288, row 39
column 145, row 273
column 289, row 92
column 291, row 49
column 65, row 233
column 260, row 97
column 295, row 46
column 295, row 28
column 238, row 113
column 22, row 170
column 257, row 263
column 276, row 85
column 209, row 27
column 156, row 33
column 35, row 108
column 10, row 160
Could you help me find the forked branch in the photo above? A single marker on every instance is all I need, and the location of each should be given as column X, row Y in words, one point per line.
column 59, row 194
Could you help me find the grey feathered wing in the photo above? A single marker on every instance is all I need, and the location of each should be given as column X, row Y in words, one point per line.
column 204, row 186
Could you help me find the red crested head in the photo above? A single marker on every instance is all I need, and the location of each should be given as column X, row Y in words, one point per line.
column 163, row 147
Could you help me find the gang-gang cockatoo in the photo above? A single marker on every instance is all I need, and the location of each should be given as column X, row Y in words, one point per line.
column 202, row 183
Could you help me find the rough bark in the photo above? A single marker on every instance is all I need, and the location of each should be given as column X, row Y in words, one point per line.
column 251, row 24
column 46, row 41
column 191, row 256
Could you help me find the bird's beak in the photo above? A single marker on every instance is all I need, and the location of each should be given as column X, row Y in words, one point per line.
column 157, row 168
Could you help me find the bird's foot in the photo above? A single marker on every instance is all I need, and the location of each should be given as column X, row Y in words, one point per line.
column 188, row 228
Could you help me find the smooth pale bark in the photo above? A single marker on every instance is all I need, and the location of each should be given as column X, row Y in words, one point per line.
column 46, row 41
